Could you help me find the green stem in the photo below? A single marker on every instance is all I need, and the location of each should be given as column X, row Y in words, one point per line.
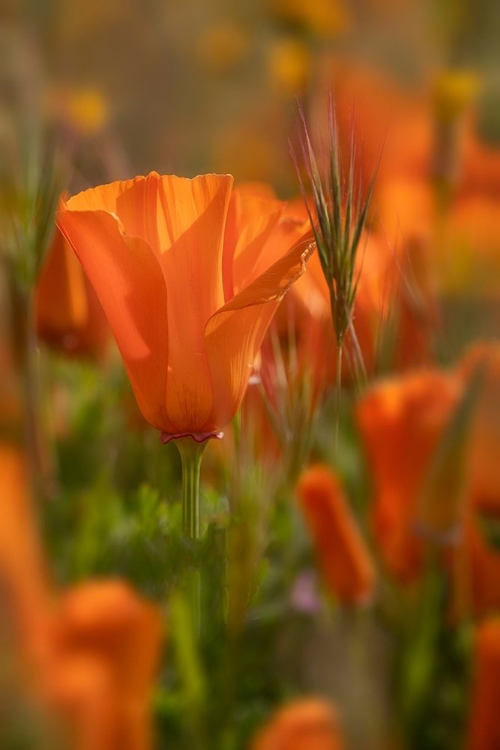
column 25, row 351
column 338, row 393
column 191, row 453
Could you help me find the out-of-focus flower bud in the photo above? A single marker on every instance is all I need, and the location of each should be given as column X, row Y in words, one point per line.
column 343, row 556
column 306, row 724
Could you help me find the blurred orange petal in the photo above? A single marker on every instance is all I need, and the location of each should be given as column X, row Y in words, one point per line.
column 233, row 335
column 402, row 421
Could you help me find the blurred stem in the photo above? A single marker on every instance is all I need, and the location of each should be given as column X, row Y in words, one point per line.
column 420, row 651
column 338, row 392
column 25, row 352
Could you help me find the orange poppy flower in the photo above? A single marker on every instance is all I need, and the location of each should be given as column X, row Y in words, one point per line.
column 342, row 553
column 164, row 265
column 402, row 421
column 68, row 314
column 484, row 728
column 303, row 724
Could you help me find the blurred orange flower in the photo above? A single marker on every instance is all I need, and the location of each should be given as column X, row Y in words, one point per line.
column 88, row 655
column 68, row 314
column 427, row 131
column 476, row 568
column 386, row 116
column 343, row 556
column 484, row 727
column 468, row 261
column 303, row 724
column 480, row 162
column 392, row 320
column 104, row 652
column 158, row 254
column 485, row 429
column 477, row 560
column 402, row 421
column 23, row 575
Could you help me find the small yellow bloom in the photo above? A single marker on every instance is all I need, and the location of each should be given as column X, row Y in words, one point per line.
column 289, row 64
column 86, row 109
column 222, row 46
column 321, row 17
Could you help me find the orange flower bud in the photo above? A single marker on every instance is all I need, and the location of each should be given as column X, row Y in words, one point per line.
column 343, row 557
column 306, row 724
column 484, row 730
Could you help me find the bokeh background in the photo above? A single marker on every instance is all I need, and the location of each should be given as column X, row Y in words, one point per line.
column 93, row 91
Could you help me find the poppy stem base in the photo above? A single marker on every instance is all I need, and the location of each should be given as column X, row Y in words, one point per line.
column 191, row 453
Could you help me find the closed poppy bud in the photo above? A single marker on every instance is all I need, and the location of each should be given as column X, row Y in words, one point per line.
column 304, row 724
column 343, row 557
column 69, row 316
column 402, row 423
column 187, row 308
column 484, row 730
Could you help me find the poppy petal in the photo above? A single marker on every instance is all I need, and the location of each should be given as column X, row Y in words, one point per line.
column 252, row 220
column 195, row 216
column 130, row 285
column 234, row 334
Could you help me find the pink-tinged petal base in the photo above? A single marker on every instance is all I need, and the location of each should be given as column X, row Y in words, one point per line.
column 198, row 437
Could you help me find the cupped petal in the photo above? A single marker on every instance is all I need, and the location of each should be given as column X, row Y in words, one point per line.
column 195, row 216
column 252, row 219
column 102, row 197
column 129, row 283
column 233, row 335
